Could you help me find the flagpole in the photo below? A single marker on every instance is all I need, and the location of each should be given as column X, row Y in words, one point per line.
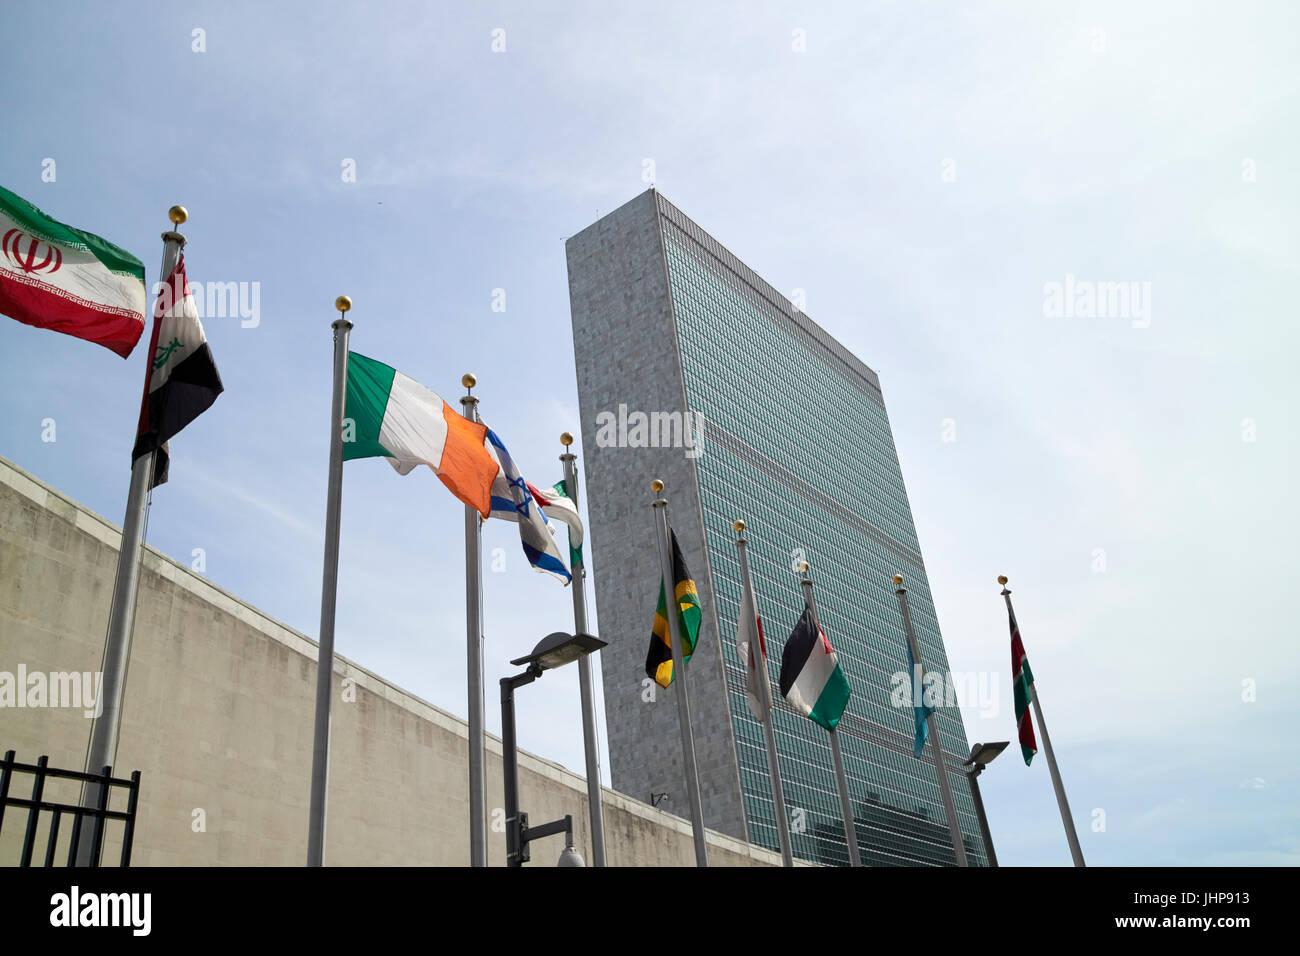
column 105, row 731
column 474, row 656
column 1066, row 817
column 591, row 745
column 320, row 753
column 842, row 782
column 672, row 610
column 936, row 746
column 765, row 692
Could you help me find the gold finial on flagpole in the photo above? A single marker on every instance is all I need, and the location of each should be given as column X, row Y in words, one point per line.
column 178, row 214
column 898, row 580
column 738, row 525
column 656, row 486
column 343, row 303
column 566, row 439
column 468, row 401
column 1002, row 580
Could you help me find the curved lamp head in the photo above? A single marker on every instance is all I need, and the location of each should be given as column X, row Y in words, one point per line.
column 558, row 648
column 982, row 754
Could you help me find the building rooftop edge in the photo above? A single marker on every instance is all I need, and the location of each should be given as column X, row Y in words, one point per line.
column 796, row 316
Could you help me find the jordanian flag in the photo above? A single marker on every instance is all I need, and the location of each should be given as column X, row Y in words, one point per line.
column 1022, row 684
column 389, row 415
column 54, row 276
column 183, row 381
column 686, row 600
column 811, row 678
column 557, row 504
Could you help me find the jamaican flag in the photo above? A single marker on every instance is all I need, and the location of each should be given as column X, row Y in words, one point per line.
column 659, row 660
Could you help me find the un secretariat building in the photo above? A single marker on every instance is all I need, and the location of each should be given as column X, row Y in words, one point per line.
column 666, row 320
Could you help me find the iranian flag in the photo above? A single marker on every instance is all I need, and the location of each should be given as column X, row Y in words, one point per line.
column 390, row 415
column 1022, row 684
column 54, row 276
column 811, row 678
column 183, row 381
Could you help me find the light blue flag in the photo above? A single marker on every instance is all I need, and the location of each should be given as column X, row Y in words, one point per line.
column 920, row 709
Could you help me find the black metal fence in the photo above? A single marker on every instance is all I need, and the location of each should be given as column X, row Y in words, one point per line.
column 99, row 784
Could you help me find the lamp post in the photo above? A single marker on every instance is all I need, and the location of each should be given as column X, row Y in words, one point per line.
column 586, row 685
column 554, row 650
column 981, row 755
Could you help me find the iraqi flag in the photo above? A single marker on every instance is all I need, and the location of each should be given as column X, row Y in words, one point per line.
column 512, row 500
column 752, row 651
column 58, row 277
column 182, row 381
column 811, row 678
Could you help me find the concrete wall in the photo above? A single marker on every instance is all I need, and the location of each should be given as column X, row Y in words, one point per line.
column 218, row 718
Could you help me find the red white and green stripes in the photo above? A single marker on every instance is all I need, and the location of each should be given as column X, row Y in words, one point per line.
column 557, row 504
column 54, row 276
column 1022, row 683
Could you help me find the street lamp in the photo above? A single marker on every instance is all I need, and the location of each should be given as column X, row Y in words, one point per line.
column 552, row 651
column 981, row 755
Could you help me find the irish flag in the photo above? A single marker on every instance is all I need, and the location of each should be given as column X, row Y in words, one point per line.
column 390, row 415
column 54, row 276
column 811, row 678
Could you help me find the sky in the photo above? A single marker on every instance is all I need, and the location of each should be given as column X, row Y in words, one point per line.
column 928, row 178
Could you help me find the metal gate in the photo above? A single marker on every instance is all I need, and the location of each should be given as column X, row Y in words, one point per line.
column 103, row 783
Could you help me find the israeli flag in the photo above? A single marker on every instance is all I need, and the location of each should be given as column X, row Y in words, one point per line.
column 513, row 501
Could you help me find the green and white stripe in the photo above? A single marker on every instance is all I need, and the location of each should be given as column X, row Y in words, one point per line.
column 557, row 504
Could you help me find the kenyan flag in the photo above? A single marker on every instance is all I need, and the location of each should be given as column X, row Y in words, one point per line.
column 1022, row 683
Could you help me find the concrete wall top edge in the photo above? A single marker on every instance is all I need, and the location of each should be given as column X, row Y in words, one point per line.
column 85, row 520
